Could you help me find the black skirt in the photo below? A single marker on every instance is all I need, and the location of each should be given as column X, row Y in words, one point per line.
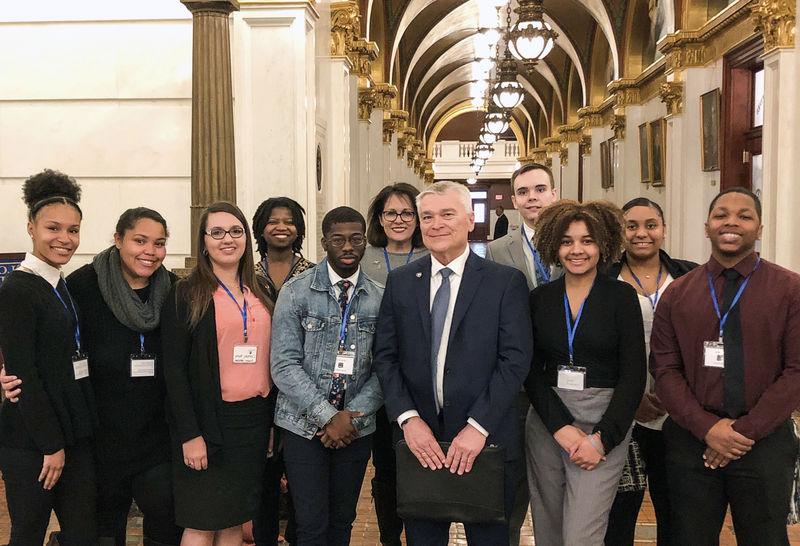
column 228, row 493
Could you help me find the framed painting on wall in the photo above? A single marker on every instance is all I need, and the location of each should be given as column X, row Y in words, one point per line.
column 644, row 153
column 606, row 165
column 709, row 129
column 657, row 129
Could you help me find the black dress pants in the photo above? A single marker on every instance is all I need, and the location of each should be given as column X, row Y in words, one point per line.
column 384, row 484
column 625, row 510
column 152, row 490
column 73, row 498
column 266, row 523
column 757, row 487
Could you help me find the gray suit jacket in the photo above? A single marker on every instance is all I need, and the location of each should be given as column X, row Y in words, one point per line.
column 508, row 250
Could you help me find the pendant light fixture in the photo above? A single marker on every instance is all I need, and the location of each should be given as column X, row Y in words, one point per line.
column 496, row 121
column 532, row 38
column 507, row 93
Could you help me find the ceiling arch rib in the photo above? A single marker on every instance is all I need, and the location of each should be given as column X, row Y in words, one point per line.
column 569, row 48
column 409, row 14
column 598, row 11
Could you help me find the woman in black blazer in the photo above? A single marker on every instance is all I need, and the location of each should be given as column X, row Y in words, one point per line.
column 119, row 298
column 46, row 438
column 216, row 365
column 649, row 270
column 587, row 375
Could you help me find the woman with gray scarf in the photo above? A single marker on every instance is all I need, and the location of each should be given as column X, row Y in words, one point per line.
column 119, row 297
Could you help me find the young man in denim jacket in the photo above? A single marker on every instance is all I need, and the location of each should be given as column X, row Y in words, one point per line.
column 329, row 392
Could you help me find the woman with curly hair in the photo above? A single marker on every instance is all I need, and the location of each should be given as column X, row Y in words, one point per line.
column 46, row 438
column 587, row 376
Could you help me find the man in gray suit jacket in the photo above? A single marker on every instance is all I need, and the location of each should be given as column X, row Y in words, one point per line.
column 531, row 191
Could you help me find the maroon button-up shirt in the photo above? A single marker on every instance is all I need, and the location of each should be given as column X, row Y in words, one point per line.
column 770, row 318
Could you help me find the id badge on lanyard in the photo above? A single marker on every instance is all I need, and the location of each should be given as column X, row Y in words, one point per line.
column 571, row 378
column 143, row 364
column 80, row 365
column 345, row 360
column 713, row 354
column 243, row 353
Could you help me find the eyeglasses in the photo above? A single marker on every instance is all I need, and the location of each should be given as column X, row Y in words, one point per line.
column 337, row 241
column 218, row 233
column 405, row 216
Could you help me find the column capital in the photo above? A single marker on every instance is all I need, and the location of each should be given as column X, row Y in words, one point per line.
column 563, row 155
column 224, row 7
column 672, row 95
column 539, row 155
column 362, row 54
column 625, row 92
column 592, row 116
column 366, row 103
column 405, row 138
column 586, row 145
column 570, row 133
column 385, row 94
column 345, row 27
column 776, row 20
column 618, row 126
column 552, row 144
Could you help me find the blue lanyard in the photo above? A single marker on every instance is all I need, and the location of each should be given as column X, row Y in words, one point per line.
column 242, row 310
column 345, row 315
column 572, row 328
column 389, row 265
column 724, row 318
column 74, row 314
column 537, row 260
column 654, row 299
column 141, row 343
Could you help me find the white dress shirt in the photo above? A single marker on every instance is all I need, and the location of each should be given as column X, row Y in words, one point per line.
column 39, row 267
column 457, row 267
column 335, row 278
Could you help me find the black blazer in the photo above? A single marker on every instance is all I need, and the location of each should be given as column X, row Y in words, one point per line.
column 37, row 339
column 675, row 267
column 488, row 352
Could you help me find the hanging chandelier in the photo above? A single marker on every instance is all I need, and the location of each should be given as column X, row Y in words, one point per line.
column 479, row 161
column 483, row 151
column 532, row 38
column 496, row 121
column 485, row 137
column 507, row 93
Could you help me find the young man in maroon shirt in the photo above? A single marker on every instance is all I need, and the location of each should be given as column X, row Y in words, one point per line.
column 725, row 354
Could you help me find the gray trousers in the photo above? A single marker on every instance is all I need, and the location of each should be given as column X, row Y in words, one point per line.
column 570, row 506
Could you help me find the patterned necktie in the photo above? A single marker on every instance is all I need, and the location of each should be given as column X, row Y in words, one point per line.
column 441, row 301
column 541, row 272
column 338, row 381
column 733, row 393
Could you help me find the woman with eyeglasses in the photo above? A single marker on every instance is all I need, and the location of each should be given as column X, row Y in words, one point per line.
column 394, row 240
column 216, row 366
column 46, row 437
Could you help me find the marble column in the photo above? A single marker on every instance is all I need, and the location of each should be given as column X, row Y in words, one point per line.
column 213, row 159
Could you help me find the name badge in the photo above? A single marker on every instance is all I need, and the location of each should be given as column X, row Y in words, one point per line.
column 245, row 354
column 143, row 365
column 713, row 354
column 572, row 378
column 345, row 362
column 80, row 366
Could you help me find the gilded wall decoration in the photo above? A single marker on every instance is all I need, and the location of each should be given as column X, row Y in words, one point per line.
column 776, row 20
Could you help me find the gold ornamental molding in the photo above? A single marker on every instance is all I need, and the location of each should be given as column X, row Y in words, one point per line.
column 552, row 145
column 362, row 54
column 539, row 155
column 586, row 145
column 672, row 96
column 345, row 27
column 388, row 130
column 405, row 138
column 366, row 103
column 682, row 49
column 776, row 20
column 625, row 92
column 393, row 122
column 428, row 177
column 591, row 116
column 385, row 94
column 571, row 133
column 618, row 126
column 563, row 155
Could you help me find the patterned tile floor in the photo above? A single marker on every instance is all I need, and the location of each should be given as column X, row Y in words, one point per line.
column 365, row 530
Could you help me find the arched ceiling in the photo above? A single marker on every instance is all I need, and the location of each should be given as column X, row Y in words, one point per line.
column 429, row 54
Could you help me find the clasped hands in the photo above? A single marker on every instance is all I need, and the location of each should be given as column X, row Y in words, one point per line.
column 461, row 455
column 340, row 430
column 724, row 444
column 585, row 450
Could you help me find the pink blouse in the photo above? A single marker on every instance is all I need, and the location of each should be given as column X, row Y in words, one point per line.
column 242, row 381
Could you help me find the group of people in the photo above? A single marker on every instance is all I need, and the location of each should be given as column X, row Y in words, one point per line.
column 195, row 397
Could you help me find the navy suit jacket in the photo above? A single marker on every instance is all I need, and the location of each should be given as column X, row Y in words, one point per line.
column 488, row 353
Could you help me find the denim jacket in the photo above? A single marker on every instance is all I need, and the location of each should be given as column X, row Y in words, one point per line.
column 305, row 341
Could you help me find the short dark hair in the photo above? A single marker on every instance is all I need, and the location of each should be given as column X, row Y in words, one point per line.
column 341, row 215
column 376, row 235
column 261, row 217
column 533, row 167
column 602, row 218
column 737, row 189
column 128, row 219
column 50, row 187
column 644, row 202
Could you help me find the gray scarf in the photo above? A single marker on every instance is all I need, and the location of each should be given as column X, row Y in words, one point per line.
column 122, row 300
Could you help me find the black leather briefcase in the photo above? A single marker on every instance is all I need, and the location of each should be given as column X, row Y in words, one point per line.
column 439, row 495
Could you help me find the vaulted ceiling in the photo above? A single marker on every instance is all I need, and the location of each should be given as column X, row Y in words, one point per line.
column 427, row 50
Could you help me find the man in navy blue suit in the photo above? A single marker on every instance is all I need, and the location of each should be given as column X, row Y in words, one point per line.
column 453, row 347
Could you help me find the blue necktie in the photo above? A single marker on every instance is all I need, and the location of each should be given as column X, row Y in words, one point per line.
column 441, row 301
column 338, row 383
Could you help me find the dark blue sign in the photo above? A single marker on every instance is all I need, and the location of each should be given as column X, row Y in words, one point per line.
column 8, row 263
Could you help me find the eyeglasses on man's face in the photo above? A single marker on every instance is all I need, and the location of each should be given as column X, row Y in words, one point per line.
column 218, row 233
column 405, row 216
column 338, row 241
